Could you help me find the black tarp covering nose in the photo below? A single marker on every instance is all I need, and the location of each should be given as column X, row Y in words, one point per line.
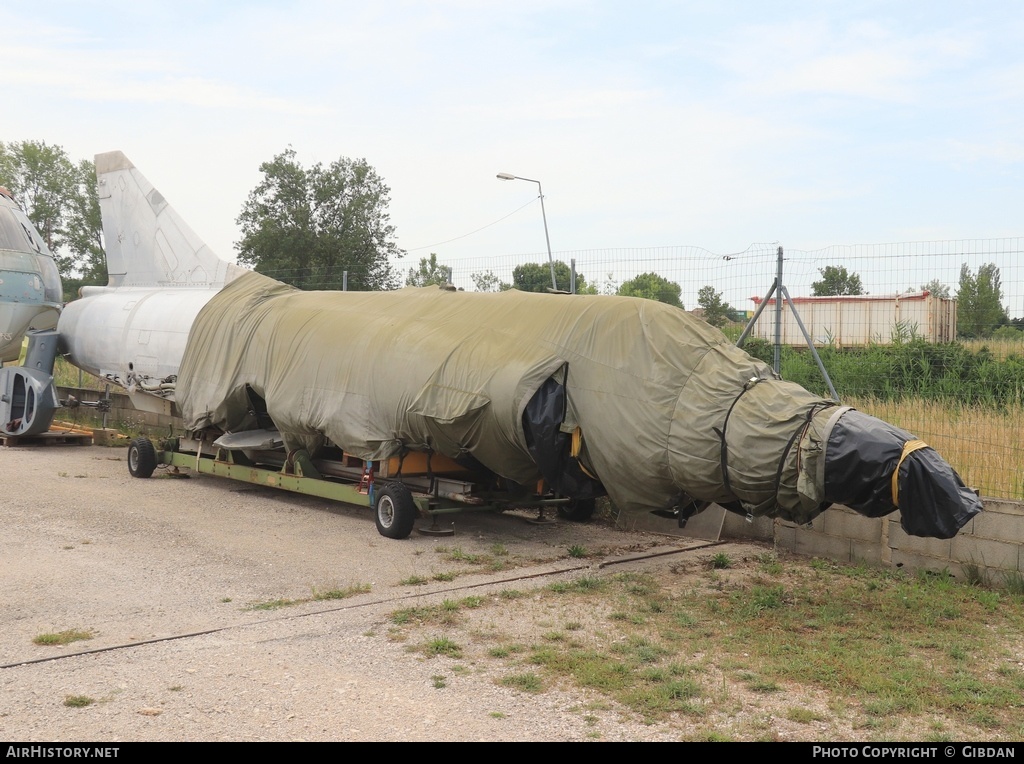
column 861, row 455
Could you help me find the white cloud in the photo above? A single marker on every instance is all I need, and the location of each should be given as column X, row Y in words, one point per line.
column 861, row 60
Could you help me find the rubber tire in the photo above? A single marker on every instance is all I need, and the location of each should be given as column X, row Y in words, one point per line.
column 141, row 458
column 578, row 510
column 395, row 511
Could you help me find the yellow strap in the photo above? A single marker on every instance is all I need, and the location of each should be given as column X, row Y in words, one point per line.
column 574, row 451
column 908, row 448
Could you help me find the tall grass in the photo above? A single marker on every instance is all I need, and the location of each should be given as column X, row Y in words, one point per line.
column 985, row 445
column 1007, row 343
column 951, row 373
column 66, row 375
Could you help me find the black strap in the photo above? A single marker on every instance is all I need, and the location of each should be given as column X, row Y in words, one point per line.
column 748, row 385
column 814, row 409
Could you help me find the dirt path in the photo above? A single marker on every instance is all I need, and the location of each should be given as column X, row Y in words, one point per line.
column 174, row 574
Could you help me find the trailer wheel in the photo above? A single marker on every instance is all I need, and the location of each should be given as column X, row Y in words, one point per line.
column 577, row 510
column 141, row 458
column 396, row 512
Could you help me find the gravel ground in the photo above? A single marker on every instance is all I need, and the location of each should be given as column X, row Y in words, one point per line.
column 166, row 571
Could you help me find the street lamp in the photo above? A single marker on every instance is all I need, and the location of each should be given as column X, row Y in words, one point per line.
column 540, row 192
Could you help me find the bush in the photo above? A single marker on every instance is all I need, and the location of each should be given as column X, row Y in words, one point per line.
column 913, row 369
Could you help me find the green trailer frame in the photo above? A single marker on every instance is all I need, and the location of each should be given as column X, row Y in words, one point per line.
column 395, row 502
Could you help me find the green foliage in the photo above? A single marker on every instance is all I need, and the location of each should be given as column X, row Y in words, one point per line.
column 721, row 561
column 529, row 682
column 579, row 586
column 60, row 199
column 318, row 595
column 651, row 286
column 716, row 311
column 65, row 637
column 980, row 308
column 308, row 226
column 442, row 646
column 536, row 277
column 761, row 598
column 78, row 701
column 947, row 372
column 272, row 604
column 1008, row 333
column 458, row 555
column 487, row 281
column 1014, row 583
column 802, row 715
column 836, row 280
column 430, row 273
column 936, row 288
column 763, row 350
column 340, row 593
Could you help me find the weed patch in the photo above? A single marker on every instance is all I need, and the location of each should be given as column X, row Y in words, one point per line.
column 442, row 646
column 317, row 595
column 62, row 637
column 721, row 561
column 526, row 682
column 341, row 594
column 583, row 585
column 272, row 604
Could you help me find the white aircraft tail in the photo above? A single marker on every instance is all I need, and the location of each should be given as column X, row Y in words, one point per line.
column 147, row 242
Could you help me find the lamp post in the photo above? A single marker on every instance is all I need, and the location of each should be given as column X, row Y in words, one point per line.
column 544, row 215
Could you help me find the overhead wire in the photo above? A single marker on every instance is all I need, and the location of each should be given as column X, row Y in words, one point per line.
column 447, row 241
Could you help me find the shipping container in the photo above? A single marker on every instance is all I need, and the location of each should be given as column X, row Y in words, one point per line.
column 855, row 321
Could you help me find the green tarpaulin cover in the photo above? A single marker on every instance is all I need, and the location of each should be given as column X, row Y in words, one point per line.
column 665, row 406
column 648, row 385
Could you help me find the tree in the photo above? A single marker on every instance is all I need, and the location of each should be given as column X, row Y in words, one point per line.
column 308, row 226
column 652, row 287
column 430, row 273
column 536, row 277
column 835, row 280
column 979, row 310
column 716, row 311
column 936, row 288
column 487, row 281
column 60, row 199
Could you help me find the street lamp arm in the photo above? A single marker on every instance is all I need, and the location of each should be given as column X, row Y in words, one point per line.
column 510, row 176
column 544, row 214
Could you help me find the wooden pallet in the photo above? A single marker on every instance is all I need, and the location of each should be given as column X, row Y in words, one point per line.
column 51, row 438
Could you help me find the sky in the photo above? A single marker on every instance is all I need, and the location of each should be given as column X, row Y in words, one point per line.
column 649, row 124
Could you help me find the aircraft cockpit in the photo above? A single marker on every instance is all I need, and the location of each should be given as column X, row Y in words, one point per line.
column 30, row 288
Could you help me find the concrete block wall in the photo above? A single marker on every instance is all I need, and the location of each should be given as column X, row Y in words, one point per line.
column 989, row 546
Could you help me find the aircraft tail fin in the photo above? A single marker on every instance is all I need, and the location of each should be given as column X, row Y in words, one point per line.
column 147, row 242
